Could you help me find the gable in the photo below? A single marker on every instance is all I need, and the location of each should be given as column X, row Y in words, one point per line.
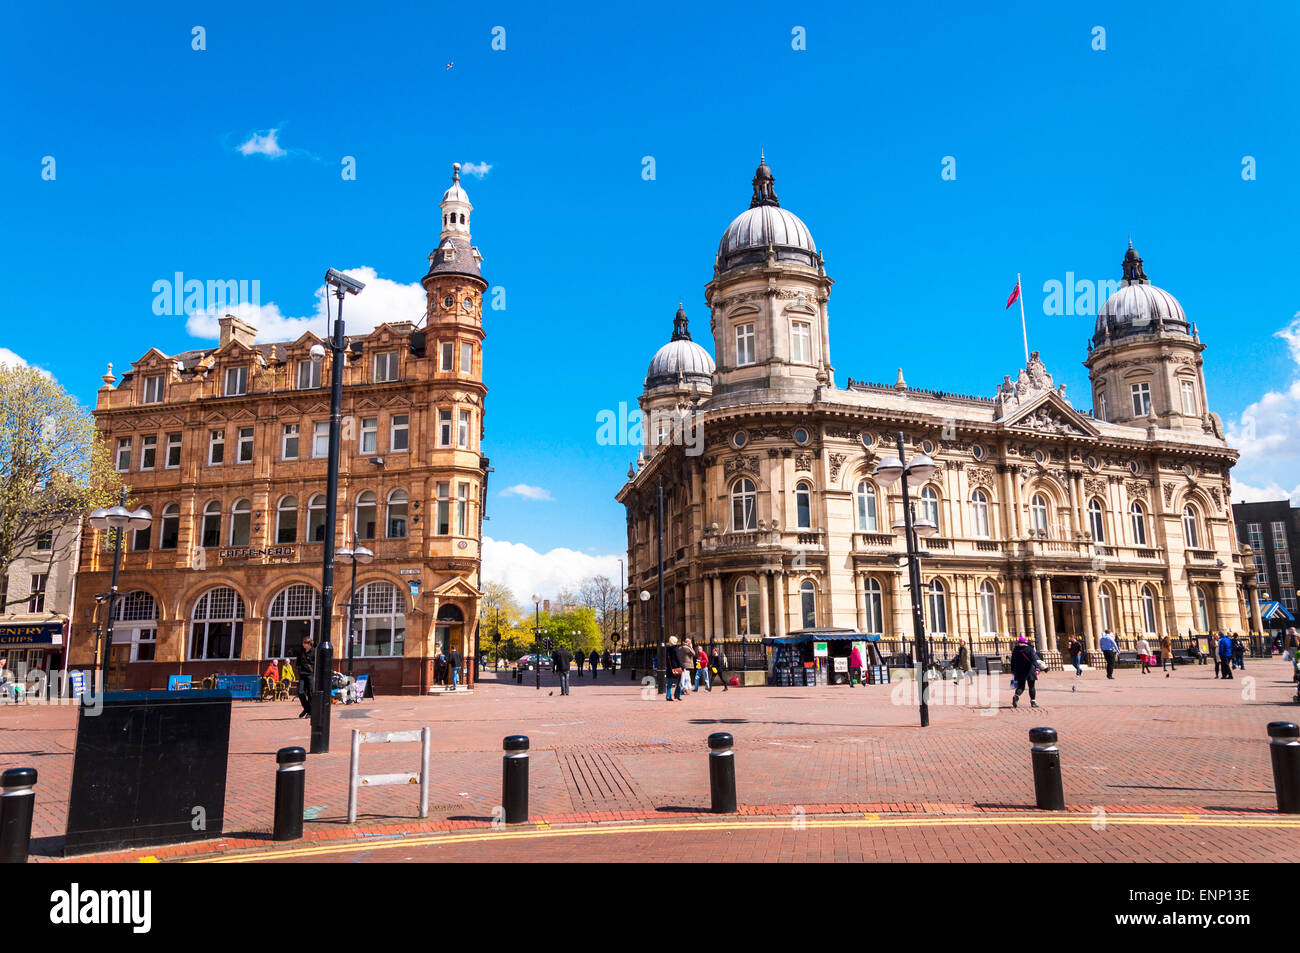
column 1050, row 414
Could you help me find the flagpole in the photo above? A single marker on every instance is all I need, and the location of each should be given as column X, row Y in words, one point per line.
column 1020, row 294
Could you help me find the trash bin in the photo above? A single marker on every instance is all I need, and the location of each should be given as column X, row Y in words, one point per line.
column 149, row 769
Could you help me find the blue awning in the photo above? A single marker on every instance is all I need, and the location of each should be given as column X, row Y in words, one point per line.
column 1275, row 610
column 837, row 635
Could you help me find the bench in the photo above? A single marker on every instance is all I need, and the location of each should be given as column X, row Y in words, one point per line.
column 1126, row 658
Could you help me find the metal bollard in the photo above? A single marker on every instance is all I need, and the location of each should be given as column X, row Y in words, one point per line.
column 514, row 779
column 17, row 800
column 290, row 785
column 1284, row 749
column 722, row 772
column 1048, row 794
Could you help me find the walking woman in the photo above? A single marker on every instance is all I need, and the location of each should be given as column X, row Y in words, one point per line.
column 719, row 660
column 702, row 669
column 1144, row 654
column 673, row 675
column 1166, row 653
column 1024, row 667
column 687, row 655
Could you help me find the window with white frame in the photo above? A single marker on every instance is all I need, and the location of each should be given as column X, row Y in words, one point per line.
column 211, row 535
column 874, row 599
column 1148, row 611
column 1284, row 576
column 245, row 445
column 173, row 451
column 1188, row 390
column 808, row 604
column 466, row 358
column 929, row 505
column 744, row 506
column 369, row 435
column 803, row 505
column 979, row 508
column 286, row 520
column 868, row 517
column 217, row 625
column 745, row 350
column 1202, row 610
column 396, row 517
column 988, row 609
column 448, row 351
column 385, row 366
column 367, row 514
column 1141, row 399
column 123, row 463
column 36, row 593
column 45, row 541
column 462, row 509
column 241, row 522
column 1097, row 521
column 320, row 439
column 1287, row 597
column 309, row 374
column 1038, row 514
column 1256, row 533
column 1261, row 570
column 1138, row 517
column 442, row 508
column 236, row 381
column 747, row 620
column 316, row 519
column 153, row 389
column 444, row 428
column 289, row 442
column 1279, row 536
column 170, row 531
column 148, row 451
column 142, row 539
column 216, row 447
column 801, row 342
column 1101, row 406
column 399, row 435
column 294, row 615
column 1107, row 609
column 462, row 430
column 381, row 620
column 135, row 623
column 938, row 608
column 1191, row 533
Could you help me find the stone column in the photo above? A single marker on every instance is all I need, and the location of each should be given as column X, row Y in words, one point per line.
column 1015, row 615
column 707, row 622
column 778, row 588
column 1039, row 625
column 1075, row 485
column 1012, row 525
column 1094, row 610
column 1256, row 620
column 901, row 610
column 719, row 628
column 1049, row 616
column 1085, row 608
column 860, row 596
column 764, row 626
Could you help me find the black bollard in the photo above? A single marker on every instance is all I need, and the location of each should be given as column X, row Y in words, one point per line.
column 514, row 779
column 17, row 800
column 722, row 772
column 1048, row 794
column 1284, row 748
column 290, row 785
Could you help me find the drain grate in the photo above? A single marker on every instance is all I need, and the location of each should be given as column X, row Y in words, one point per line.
column 595, row 777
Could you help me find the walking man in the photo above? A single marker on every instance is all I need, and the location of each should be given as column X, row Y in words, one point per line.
column 1109, row 648
column 1076, row 656
column 1238, row 652
column 594, row 659
column 578, row 659
column 562, row 659
column 306, row 667
column 1225, row 655
column 454, row 661
column 1025, row 669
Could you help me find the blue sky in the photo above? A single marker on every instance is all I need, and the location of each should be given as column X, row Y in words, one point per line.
column 1061, row 151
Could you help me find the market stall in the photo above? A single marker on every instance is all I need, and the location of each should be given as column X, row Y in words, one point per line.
column 821, row 657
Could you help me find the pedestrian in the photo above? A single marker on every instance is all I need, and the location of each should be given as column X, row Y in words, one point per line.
column 578, row 659
column 608, row 661
column 1238, row 652
column 702, row 669
column 562, row 658
column 673, row 673
column 272, row 671
column 454, row 661
column 594, row 660
column 687, row 656
column 855, row 665
column 1144, row 654
column 718, row 658
column 440, row 669
column 306, row 666
column 960, row 663
column 1024, row 666
column 1076, row 656
column 1225, row 655
column 1166, row 653
column 1109, row 648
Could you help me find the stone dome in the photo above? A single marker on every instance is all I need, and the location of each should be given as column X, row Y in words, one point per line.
column 681, row 360
column 765, row 224
column 1139, row 307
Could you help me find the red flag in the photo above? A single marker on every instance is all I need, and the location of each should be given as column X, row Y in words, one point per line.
column 1014, row 295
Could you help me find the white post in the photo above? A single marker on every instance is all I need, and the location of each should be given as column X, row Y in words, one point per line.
column 354, row 763
column 424, row 771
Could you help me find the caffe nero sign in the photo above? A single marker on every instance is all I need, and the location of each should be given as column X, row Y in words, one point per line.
column 247, row 553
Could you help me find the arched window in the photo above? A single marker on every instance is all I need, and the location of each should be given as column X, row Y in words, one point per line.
column 217, row 625
column 1148, row 611
column 396, row 521
column 367, row 514
column 241, row 523
column 1107, row 610
column 808, row 604
column 868, row 520
column 1038, row 514
column 875, row 607
column 930, row 505
column 744, row 506
column 803, row 505
column 988, row 609
column 286, row 520
column 979, row 511
column 135, row 621
column 380, row 618
column 1101, row 406
column 294, row 615
column 1138, row 516
column 212, row 525
column 1191, row 535
column 316, row 519
column 1202, row 610
column 171, row 526
column 747, row 621
column 938, row 609
column 1096, row 521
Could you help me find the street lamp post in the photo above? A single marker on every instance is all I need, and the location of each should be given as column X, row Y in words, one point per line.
column 324, row 661
column 121, row 519
column 915, row 473
column 661, row 660
column 537, row 638
column 645, row 598
column 357, row 554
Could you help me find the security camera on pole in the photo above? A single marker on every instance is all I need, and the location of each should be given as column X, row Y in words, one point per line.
column 121, row 519
column 320, row 714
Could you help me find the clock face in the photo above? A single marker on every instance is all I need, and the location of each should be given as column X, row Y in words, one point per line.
column 448, row 301
column 468, row 303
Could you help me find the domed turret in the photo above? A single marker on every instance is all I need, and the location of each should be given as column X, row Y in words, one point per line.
column 766, row 226
column 681, row 361
column 455, row 254
column 1139, row 307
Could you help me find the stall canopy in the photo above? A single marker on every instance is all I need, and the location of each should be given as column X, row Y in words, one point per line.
column 1274, row 610
column 822, row 635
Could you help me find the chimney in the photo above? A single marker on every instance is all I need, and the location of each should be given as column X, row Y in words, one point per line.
column 236, row 329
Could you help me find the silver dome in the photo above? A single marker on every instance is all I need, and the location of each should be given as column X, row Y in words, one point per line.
column 765, row 223
column 681, row 360
column 1139, row 307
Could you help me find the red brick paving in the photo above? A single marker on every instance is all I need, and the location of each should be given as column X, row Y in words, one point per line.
column 1187, row 744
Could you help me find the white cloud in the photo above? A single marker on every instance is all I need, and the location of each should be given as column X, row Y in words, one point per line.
column 525, row 571
column 478, row 171
column 262, row 144
column 1268, row 435
column 527, row 492
column 13, row 360
column 381, row 300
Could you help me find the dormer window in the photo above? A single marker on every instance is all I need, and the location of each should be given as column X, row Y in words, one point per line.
column 309, row 374
column 385, row 366
column 449, row 253
column 153, row 389
column 236, row 381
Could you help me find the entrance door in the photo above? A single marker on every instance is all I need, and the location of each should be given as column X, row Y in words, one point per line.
column 115, row 676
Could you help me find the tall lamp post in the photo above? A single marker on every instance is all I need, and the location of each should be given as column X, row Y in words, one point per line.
column 645, row 598
column 324, row 661
column 537, row 638
column 121, row 519
column 358, row 554
column 661, row 660
column 917, row 472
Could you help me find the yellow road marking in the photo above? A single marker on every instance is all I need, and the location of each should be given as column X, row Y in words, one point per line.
column 481, row 836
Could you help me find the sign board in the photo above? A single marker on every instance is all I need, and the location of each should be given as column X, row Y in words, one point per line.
column 363, row 687
column 408, row 572
column 241, row 553
column 415, row 587
column 178, row 683
column 819, row 650
column 615, row 638
column 31, row 633
column 78, row 680
column 841, row 665
column 1067, row 597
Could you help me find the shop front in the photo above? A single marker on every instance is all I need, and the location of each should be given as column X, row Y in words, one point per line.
column 32, row 650
column 819, row 656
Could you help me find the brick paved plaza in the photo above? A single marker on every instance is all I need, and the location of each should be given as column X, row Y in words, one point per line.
column 1154, row 768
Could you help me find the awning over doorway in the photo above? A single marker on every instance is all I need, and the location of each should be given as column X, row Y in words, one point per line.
column 1274, row 610
column 821, row 635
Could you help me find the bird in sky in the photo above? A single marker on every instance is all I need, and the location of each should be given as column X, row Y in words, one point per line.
column 450, row 65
